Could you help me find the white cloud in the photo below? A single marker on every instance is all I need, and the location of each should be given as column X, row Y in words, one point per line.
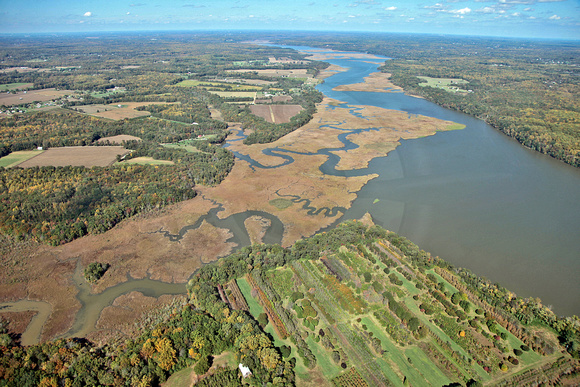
column 87, row 14
column 462, row 11
column 436, row 6
column 554, row 17
column 390, row 8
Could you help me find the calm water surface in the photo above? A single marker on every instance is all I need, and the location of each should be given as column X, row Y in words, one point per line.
column 476, row 198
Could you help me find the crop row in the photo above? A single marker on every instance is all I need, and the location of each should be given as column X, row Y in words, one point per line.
column 361, row 353
column 331, row 307
column 350, row 378
column 265, row 302
column 236, row 298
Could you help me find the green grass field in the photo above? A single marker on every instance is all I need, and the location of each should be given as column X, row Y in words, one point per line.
column 327, row 366
column 18, row 157
column 106, row 93
column 246, row 289
column 453, row 85
column 13, row 86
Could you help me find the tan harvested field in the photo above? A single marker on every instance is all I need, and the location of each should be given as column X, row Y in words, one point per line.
column 376, row 82
column 215, row 113
column 255, row 82
column 117, row 111
column 296, row 73
column 88, row 156
column 277, row 114
column 19, row 69
column 148, row 161
column 118, row 139
column 242, row 94
column 32, row 96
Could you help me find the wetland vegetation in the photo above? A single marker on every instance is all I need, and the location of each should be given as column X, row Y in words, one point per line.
column 353, row 305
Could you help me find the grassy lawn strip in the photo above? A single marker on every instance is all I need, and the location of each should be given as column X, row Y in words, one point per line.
column 410, row 286
column 395, row 355
column 245, row 288
column 426, row 367
column 188, row 148
column 328, row 367
column 15, row 158
column 181, row 378
column 448, row 287
column 443, row 336
column 17, row 85
column 528, row 357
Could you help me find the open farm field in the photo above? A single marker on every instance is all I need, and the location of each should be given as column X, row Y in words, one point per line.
column 118, row 139
column 243, row 81
column 117, row 111
column 15, row 158
column 275, row 73
column 107, row 93
column 234, row 94
column 188, row 145
column 277, row 114
column 22, row 69
column 147, row 161
column 88, row 156
column 218, row 85
column 30, row 96
column 16, row 85
column 449, row 84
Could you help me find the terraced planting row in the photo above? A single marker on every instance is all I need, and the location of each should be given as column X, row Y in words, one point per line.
column 367, row 315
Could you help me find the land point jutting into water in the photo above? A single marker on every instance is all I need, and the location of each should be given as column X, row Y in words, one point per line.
column 194, row 205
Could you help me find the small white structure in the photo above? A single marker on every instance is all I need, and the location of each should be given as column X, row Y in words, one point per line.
column 245, row 370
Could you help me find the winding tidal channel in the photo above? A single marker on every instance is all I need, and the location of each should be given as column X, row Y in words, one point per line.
column 475, row 197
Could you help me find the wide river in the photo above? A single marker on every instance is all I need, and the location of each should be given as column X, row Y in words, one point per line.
column 475, row 197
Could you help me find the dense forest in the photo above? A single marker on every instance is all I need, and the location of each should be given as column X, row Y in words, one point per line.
column 375, row 290
column 528, row 89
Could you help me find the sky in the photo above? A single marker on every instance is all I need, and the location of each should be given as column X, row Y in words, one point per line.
column 554, row 19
